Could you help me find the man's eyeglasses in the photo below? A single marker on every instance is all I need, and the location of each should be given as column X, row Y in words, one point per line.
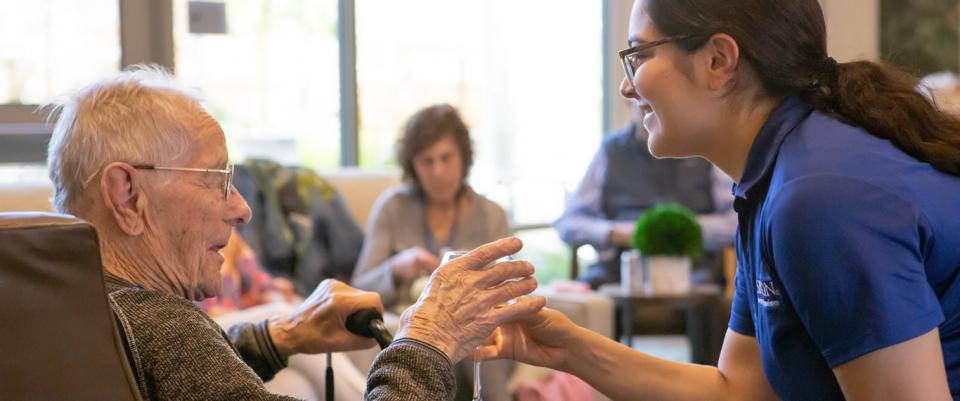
column 632, row 57
column 227, row 184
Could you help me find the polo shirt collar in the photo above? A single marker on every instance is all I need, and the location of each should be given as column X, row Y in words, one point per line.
column 763, row 153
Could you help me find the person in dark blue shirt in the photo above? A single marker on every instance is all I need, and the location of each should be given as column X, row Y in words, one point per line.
column 848, row 198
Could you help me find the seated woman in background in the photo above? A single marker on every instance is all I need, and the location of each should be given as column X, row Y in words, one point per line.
column 435, row 210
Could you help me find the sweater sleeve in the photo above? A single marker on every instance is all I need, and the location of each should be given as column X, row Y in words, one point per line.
column 255, row 346
column 410, row 370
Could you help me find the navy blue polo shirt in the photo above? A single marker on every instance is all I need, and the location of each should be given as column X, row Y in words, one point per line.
column 846, row 245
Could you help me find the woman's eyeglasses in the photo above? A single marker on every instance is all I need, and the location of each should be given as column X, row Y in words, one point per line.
column 632, row 57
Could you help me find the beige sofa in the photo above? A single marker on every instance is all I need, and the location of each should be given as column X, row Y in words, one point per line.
column 25, row 197
column 359, row 188
column 305, row 376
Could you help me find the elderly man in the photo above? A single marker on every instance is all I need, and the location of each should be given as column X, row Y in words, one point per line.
column 142, row 161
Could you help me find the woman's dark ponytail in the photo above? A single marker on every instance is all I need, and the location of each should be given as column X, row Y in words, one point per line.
column 885, row 101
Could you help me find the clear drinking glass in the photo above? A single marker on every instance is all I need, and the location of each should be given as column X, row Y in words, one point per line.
column 448, row 256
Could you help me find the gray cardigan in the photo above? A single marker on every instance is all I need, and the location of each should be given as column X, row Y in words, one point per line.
column 178, row 353
column 397, row 223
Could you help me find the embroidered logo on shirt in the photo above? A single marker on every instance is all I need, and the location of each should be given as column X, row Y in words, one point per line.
column 768, row 295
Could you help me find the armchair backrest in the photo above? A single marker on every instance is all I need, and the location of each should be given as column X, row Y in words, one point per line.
column 58, row 337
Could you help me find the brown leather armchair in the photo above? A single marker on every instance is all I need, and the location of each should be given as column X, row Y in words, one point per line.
column 58, row 337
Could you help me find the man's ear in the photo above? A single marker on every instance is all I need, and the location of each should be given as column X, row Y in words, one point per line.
column 723, row 61
column 123, row 198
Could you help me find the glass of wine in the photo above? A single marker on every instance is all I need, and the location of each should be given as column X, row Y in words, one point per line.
column 448, row 256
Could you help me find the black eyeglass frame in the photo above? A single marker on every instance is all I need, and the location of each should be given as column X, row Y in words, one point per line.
column 227, row 186
column 626, row 54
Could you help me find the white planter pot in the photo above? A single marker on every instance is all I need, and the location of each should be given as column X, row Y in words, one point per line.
column 668, row 275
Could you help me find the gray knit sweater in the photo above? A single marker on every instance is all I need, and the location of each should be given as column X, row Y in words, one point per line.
column 178, row 353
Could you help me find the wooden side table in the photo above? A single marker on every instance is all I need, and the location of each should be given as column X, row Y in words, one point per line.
column 701, row 306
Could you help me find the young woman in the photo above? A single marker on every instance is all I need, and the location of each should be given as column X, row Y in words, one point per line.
column 848, row 284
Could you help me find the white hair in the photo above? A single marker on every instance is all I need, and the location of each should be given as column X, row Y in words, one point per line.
column 139, row 116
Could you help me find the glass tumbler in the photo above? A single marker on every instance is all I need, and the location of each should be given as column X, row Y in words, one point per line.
column 448, row 256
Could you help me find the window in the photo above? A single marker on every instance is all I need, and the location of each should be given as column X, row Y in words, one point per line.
column 44, row 53
column 40, row 38
column 272, row 80
column 527, row 78
column 525, row 75
column 45, row 35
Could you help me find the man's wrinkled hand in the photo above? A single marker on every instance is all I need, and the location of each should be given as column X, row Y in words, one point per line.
column 318, row 324
column 466, row 299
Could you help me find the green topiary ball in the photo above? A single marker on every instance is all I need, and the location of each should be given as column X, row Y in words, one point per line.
column 668, row 230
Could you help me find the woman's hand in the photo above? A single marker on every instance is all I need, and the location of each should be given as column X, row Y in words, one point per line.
column 318, row 324
column 540, row 339
column 414, row 262
column 466, row 300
